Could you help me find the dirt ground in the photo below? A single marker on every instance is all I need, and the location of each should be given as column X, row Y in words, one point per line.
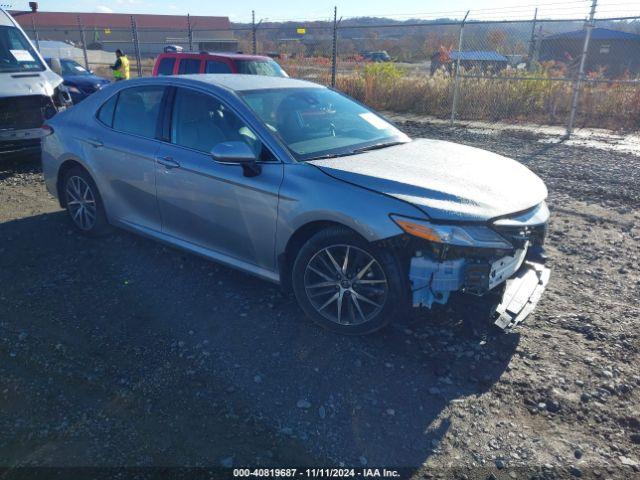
column 123, row 352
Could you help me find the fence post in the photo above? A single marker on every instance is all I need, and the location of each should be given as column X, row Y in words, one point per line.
column 136, row 44
column 254, row 28
column 84, row 42
column 334, row 47
column 536, row 47
column 532, row 42
column 35, row 30
column 456, row 82
column 189, row 33
column 577, row 85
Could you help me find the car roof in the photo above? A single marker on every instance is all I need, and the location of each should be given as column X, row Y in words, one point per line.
column 241, row 82
column 230, row 55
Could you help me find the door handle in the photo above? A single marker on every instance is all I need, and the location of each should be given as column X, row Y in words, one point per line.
column 95, row 143
column 168, row 162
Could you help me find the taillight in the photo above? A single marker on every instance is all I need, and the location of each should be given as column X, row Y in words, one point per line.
column 48, row 129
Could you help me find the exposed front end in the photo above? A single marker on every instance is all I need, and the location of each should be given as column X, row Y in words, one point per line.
column 502, row 260
column 21, row 119
column 30, row 92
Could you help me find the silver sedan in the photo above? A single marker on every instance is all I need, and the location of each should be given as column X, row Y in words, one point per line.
column 301, row 185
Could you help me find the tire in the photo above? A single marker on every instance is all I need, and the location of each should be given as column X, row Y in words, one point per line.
column 359, row 300
column 84, row 203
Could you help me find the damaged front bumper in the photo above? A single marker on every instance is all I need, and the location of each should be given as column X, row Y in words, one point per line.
column 524, row 282
column 522, row 293
column 501, row 261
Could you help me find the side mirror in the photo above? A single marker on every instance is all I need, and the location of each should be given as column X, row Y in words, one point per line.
column 237, row 153
column 56, row 66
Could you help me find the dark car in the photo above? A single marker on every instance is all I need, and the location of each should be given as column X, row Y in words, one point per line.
column 173, row 49
column 381, row 56
column 80, row 81
column 205, row 62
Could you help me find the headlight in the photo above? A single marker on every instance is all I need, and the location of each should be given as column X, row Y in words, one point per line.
column 463, row 235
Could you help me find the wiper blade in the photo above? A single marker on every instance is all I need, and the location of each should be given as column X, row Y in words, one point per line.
column 356, row 151
column 376, row 146
column 329, row 155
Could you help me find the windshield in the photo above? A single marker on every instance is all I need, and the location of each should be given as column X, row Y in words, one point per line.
column 16, row 53
column 69, row 67
column 260, row 67
column 318, row 122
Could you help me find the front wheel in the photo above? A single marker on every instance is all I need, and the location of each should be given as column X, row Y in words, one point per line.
column 346, row 284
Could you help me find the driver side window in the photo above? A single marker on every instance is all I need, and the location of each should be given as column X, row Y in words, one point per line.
column 200, row 122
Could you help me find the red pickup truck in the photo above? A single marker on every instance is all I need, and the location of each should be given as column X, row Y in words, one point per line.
column 204, row 62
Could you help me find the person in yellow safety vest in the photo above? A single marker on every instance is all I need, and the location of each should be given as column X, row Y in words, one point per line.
column 121, row 67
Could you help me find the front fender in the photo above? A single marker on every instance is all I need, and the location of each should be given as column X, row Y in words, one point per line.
column 308, row 195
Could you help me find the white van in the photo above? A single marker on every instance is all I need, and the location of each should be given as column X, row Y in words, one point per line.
column 29, row 91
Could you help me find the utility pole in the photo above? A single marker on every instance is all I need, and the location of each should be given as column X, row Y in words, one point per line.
column 583, row 59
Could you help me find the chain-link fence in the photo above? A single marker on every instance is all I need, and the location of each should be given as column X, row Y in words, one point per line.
column 559, row 72
column 539, row 71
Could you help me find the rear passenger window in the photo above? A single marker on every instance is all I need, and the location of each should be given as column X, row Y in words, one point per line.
column 166, row 66
column 137, row 110
column 214, row 66
column 105, row 114
column 189, row 65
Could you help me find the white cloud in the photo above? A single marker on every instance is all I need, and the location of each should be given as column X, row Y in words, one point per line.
column 103, row 9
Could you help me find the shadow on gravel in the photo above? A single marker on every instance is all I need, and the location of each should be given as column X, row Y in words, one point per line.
column 120, row 351
column 13, row 164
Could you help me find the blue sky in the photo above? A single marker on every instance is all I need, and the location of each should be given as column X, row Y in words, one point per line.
column 240, row 10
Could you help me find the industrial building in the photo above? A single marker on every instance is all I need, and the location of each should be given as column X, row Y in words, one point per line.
column 110, row 31
column 612, row 51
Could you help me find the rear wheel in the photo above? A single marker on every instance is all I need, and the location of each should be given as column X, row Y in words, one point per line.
column 83, row 202
column 345, row 284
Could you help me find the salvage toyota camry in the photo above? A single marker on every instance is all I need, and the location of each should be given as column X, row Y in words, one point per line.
column 300, row 185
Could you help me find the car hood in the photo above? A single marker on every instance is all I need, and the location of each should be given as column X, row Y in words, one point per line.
column 446, row 180
column 28, row 83
column 86, row 79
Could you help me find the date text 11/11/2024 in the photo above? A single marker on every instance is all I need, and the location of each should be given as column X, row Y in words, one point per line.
column 317, row 472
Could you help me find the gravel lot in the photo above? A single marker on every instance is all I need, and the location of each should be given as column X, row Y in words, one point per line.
column 121, row 351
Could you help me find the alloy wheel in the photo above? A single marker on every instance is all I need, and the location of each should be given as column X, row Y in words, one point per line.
column 81, row 203
column 345, row 284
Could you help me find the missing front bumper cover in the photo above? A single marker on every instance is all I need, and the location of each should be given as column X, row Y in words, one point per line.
column 522, row 277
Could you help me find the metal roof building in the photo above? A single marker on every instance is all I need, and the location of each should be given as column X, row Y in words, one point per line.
column 485, row 60
column 613, row 52
column 478, row 56
column 109, row 31
column 117, row 20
